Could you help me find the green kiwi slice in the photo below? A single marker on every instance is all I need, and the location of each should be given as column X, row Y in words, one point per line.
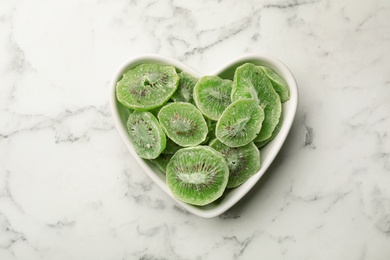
column 124, row 112
column 251, row 82
column 212, row 95
column 146, row 134
column 274, row 133
column 197, row 175
column 183, row 123
column 211, row 126
column 243, row 162
column 155, row 111
column 147, row 86
column 240, row 123
column 184, row 92
column 171, row 147
column 278, row 83
column 162, row 161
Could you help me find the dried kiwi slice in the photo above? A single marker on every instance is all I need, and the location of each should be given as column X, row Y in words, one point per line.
column 183, row 123
column 274, row 133
column 124, row 112
column 155, row 111
column 212, row 95
column 184, row 92
column 171, row 147
column 243, row 162
column 240, row 123
column 147, row 86
column 146, row 134
column 197, row 175
column 251, row 82
column 211, row 126
column 162, row 161
column 278, row 83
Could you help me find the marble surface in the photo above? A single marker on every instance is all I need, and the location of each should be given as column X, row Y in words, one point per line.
column 69, row 189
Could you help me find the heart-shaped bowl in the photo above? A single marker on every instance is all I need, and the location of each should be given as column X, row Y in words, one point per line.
column 268, row 153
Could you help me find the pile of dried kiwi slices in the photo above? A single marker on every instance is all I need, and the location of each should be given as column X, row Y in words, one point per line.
column 204, row 134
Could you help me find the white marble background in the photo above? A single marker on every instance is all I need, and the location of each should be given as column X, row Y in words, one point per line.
column 69, row 189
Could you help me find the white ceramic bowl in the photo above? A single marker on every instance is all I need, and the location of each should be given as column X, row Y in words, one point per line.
column 268, row 153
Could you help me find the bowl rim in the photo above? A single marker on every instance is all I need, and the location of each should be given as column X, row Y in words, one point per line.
column 261, row 59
